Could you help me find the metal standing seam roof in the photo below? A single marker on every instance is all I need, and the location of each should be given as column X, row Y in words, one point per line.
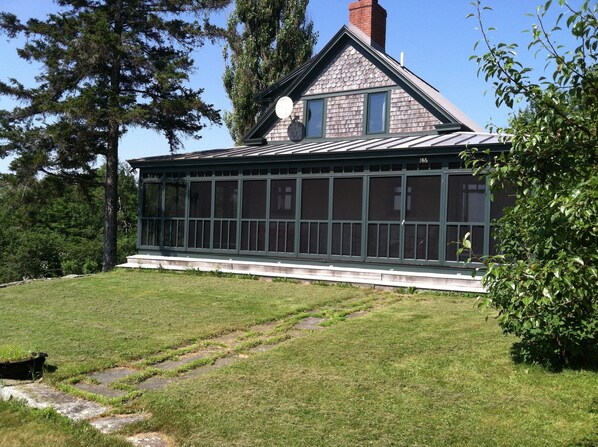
column 433, row 141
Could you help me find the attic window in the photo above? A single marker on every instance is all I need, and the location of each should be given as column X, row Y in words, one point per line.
column 315, row 118
column 377, row 112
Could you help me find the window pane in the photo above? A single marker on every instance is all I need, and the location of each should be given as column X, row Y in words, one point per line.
column 151, row 200
column 200, row 203
column 226, row 200
column 423, row 199
column 466, row 198
column 385, row 198
column 377, row 112
column 282, row 199
column 315, row 118
column 347, row 199
column 254, row 199
column 314, row 199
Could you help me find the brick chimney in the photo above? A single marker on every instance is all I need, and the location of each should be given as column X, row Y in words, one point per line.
column 369, row 18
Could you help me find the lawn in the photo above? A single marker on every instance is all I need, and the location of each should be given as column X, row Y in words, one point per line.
column 421, row 369
column 91, row 323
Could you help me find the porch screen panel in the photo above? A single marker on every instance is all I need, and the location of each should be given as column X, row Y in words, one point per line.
column 465, row 214
column 150, row 214
column 384, row 217
column 346, row 216
column 253, row 223
column 282, row 216
column 314, row 216
column 225, row 215
column 422, row 218
column 174, row 214
column 200, row 213
column 501, row 200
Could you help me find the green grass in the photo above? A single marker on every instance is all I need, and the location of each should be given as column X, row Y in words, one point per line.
column 427, row 371
column 15, row 353
column 91, row 323
column 418, row 370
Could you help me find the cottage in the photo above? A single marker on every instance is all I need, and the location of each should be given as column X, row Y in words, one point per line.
column 352, row 171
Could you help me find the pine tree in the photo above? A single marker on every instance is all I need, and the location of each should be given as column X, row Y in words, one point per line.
column 106, row 66
column 267, row 39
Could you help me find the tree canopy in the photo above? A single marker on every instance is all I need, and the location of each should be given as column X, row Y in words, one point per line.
column 544, row 282
column 52, row 228
column 106, row 66
column 267, row 39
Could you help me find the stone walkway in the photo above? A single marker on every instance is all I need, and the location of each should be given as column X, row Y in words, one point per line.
column 125, row 383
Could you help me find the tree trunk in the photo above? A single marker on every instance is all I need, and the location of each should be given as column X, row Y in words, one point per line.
column 111, row 186
column 111, row 202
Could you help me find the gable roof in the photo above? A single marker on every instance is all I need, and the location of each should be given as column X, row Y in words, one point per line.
column 294, row 84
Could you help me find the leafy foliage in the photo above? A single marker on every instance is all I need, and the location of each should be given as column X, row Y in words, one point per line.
column 544, row 282
column 49, row 228
column 266, row 41
column 106, row 66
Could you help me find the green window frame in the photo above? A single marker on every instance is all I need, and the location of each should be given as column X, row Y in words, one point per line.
column 377, row 113
column 315, row 114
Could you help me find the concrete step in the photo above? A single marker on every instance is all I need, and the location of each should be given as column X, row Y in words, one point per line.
column 457, row 280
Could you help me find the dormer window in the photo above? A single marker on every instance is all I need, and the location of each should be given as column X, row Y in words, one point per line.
column 315, row 119
column 377, row 111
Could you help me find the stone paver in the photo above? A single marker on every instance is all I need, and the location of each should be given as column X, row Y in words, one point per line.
column 13, row 382
column 112, row 424
column 229, row 339
column 112, row 375
column 310, row 323
column 183, row 360
column 40, row 395
column 101, row 390
column 155, row 383
column 150, row 440
column 262, row 348
column 219, row 363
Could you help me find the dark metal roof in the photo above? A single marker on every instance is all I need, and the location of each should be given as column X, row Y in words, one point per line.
column 457, row 140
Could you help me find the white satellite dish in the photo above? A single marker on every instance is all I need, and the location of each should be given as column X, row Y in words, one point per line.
column 284, row 107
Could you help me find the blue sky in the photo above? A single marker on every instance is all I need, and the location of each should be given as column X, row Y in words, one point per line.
column 434, row 35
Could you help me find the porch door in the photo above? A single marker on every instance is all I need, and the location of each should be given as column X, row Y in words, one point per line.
column 422, row 218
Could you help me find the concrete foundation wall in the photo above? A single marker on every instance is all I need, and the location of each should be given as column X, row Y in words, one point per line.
column 459, row 281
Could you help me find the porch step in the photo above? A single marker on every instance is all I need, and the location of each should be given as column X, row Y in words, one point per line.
column 458, row 281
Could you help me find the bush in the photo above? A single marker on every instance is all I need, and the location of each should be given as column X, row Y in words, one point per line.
column 70, row 267
column 544, row 284
column 90, row 266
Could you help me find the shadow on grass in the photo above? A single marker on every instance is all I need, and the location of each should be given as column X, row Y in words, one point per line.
column 50, row 368
column 544, row 354
column 586, row 442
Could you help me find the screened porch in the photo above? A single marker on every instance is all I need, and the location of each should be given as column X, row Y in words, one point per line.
column 413, row 212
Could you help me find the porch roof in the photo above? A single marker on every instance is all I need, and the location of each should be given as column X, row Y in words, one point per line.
column 375, row 146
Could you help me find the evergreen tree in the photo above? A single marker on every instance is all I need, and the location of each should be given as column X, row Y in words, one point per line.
column 267, row 39
column 106, row 66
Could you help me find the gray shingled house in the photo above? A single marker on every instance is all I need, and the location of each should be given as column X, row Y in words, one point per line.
column 362, row 182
